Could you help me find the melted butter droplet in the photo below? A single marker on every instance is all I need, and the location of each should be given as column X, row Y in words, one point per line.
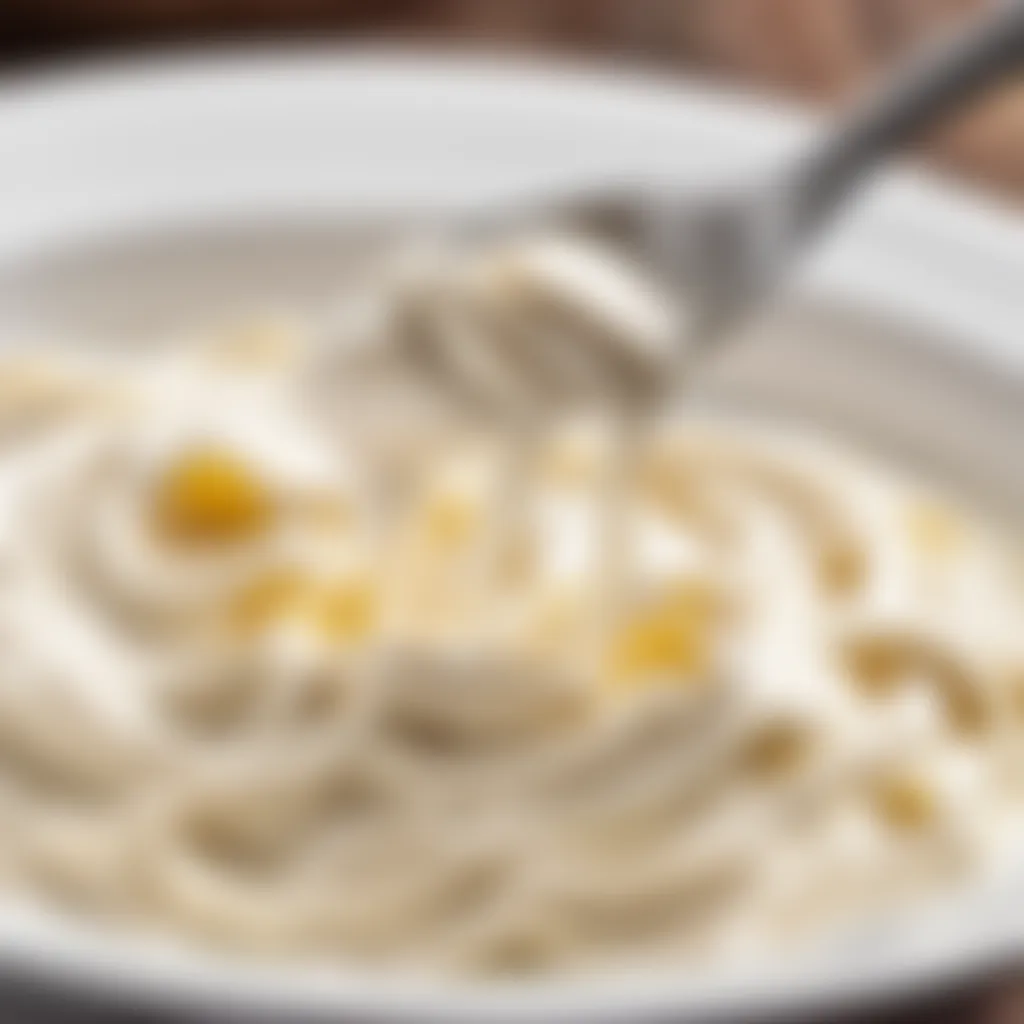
column 212, row 497
column 345, row 610
column 671, row 641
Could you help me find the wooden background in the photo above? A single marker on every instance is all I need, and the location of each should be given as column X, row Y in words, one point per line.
column 817, row 49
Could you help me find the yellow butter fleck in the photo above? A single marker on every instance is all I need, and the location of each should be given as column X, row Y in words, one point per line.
column 211, row 496
column 669, row 641
column 344, row 610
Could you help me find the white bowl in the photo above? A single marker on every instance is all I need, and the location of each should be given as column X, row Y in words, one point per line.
column 143, row 197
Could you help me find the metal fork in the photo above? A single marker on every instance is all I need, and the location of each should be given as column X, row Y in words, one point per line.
column 724, row 254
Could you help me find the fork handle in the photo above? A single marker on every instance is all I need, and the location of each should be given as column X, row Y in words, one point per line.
column 940, row 79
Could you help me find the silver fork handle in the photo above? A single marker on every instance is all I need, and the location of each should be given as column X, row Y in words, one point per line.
column 942, row 78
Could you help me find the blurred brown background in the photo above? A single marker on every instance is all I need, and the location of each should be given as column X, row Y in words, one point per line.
column 818, row 49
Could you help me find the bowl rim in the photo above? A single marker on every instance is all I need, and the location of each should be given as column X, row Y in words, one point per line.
column 913, row 238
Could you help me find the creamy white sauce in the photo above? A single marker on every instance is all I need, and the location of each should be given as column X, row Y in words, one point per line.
column 377, row 688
